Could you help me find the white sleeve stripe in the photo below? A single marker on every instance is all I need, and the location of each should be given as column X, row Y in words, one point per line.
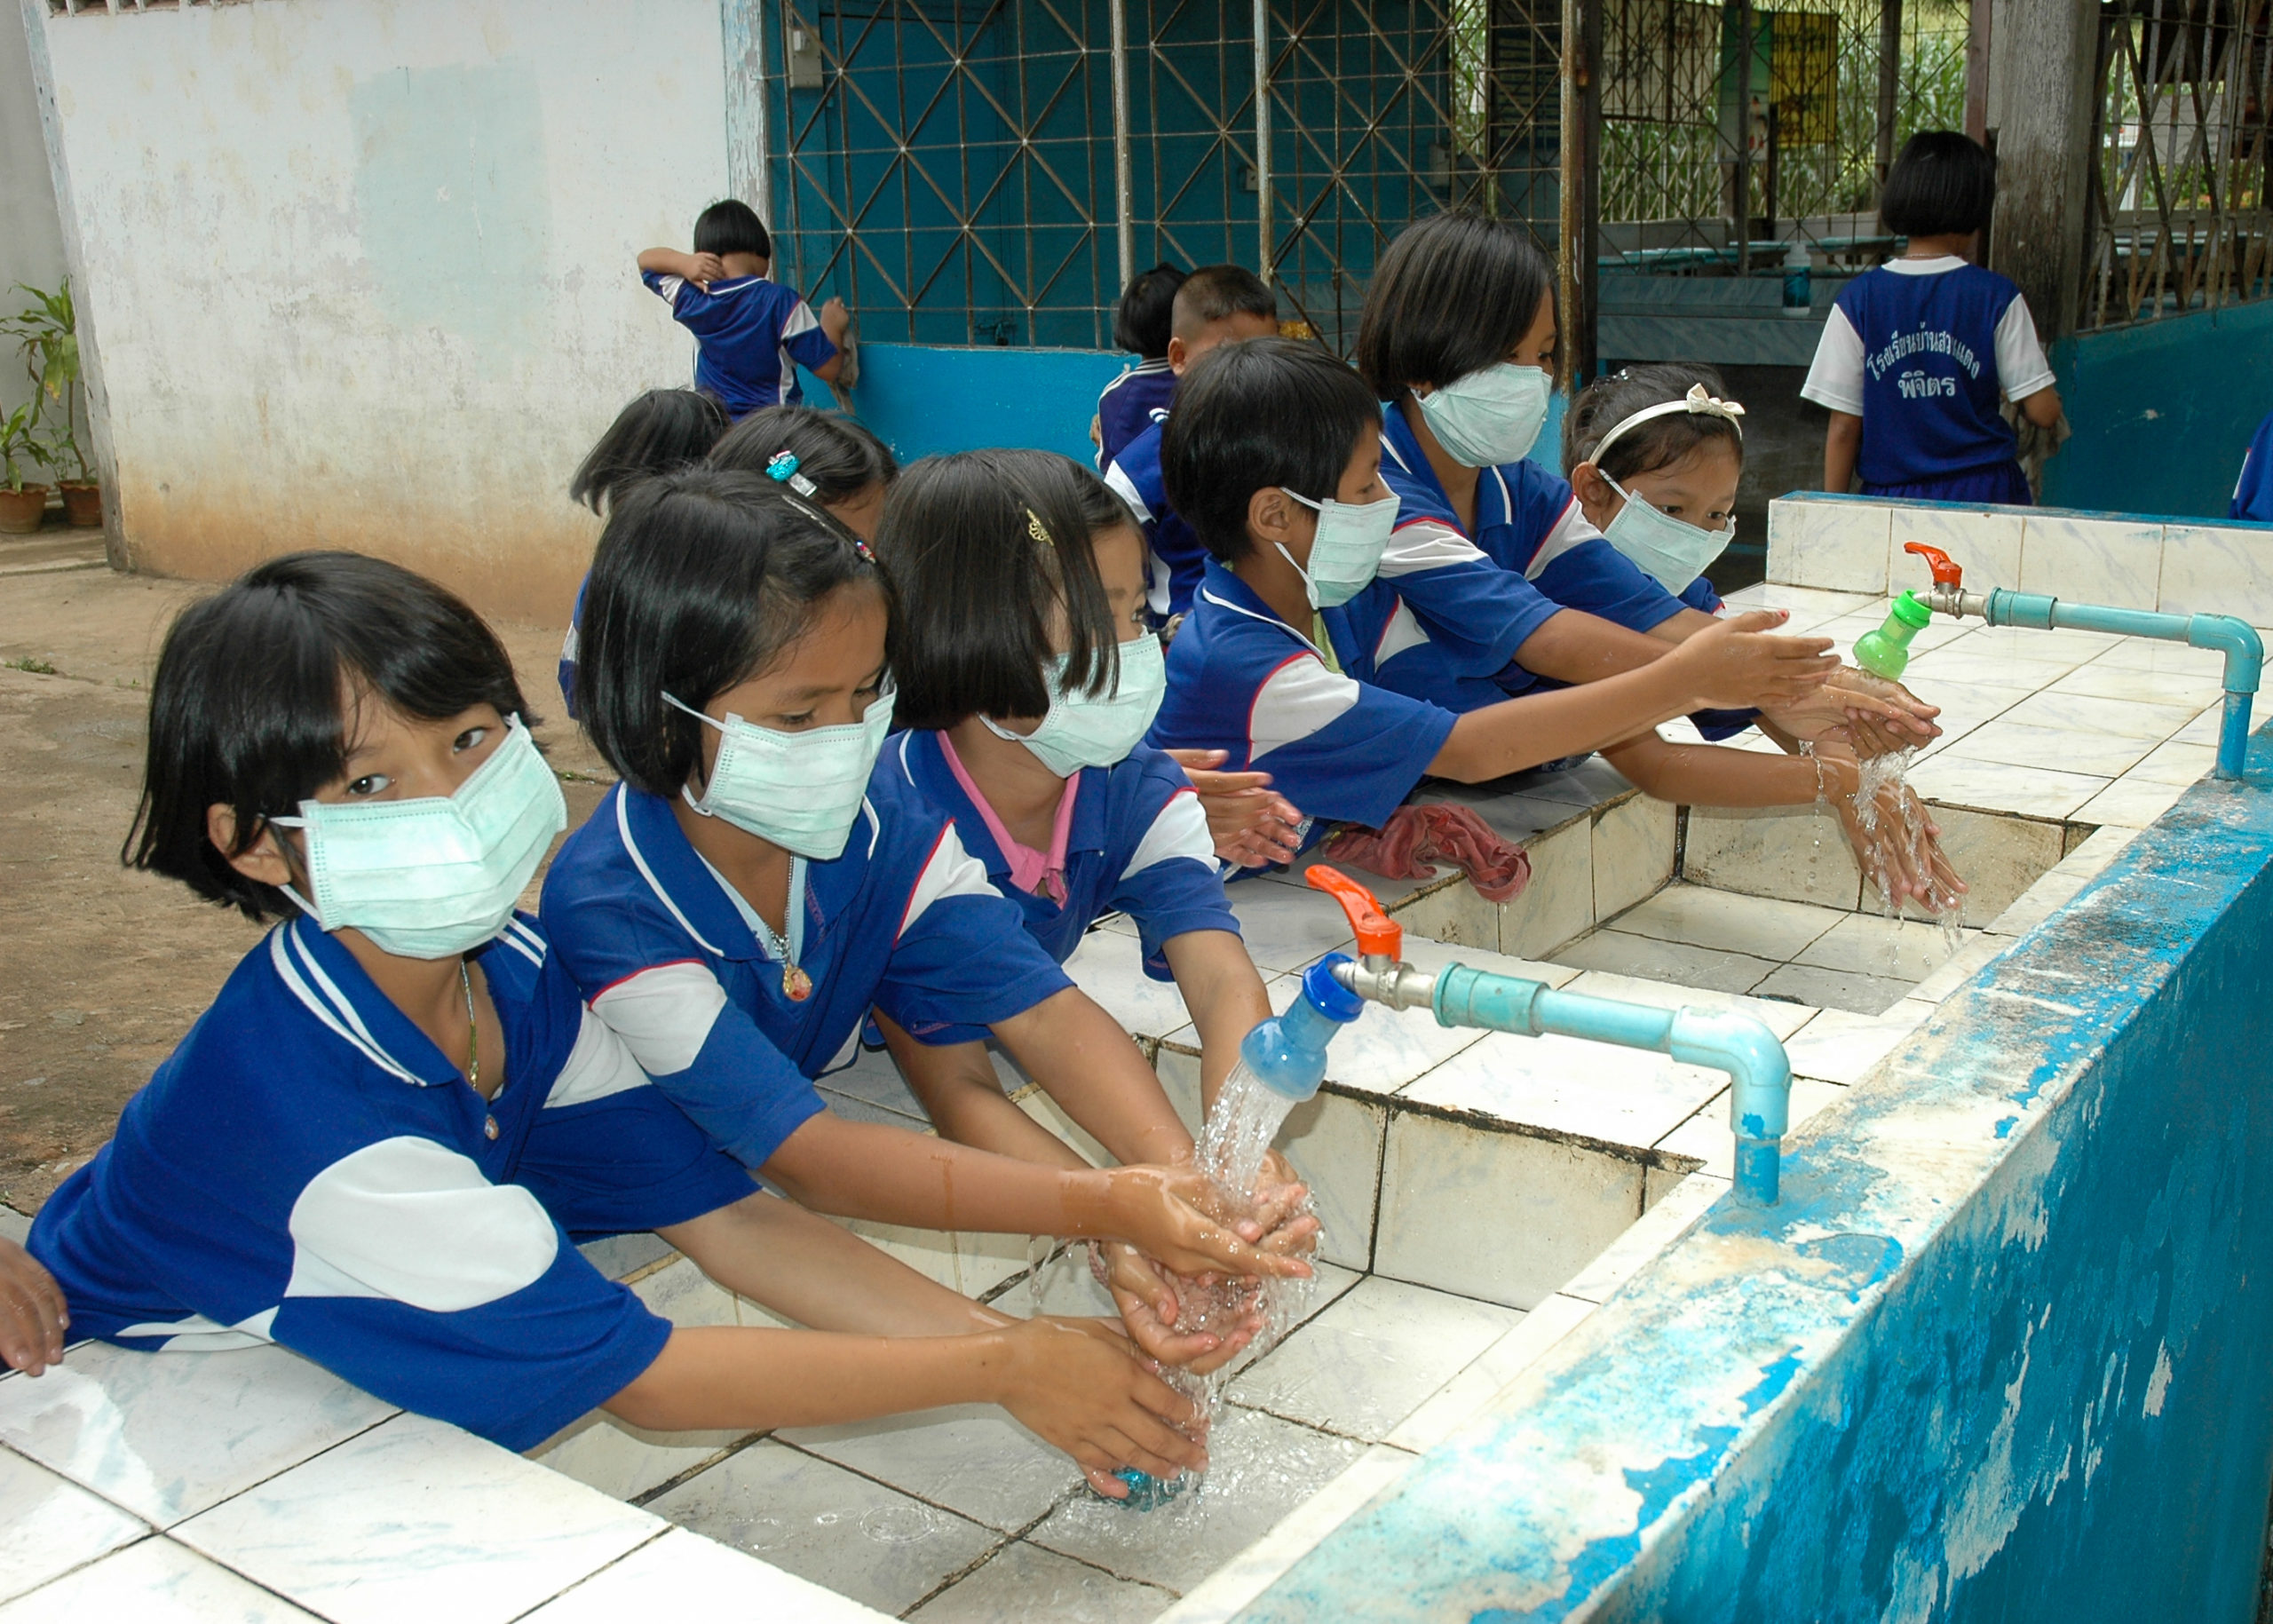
column 801, row 319
column 1402, row 632
column 1426, row 544
column 1179, row 829
column 1835, row 377
column 950, row 871
column 598, row 1065
column 1119, row 484
column 1571, row 530
column 669, row 286
column 664, row 1013
column 1296, row 701
column 639, row 861
column 2022, row 369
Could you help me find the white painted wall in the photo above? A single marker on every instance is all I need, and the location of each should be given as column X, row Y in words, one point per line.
column 360, row 270
column 31, row 238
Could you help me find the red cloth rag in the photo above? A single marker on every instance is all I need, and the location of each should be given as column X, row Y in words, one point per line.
column 1403, row 848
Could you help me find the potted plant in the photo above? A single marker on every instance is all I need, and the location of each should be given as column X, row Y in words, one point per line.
column 47, row 336
column 22, row 504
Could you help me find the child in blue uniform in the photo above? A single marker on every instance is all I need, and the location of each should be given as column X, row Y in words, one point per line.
column 757, row 882
column 1215, row 304
column 1133, row 401
column 1915, row 355
column 751, row 334
column 379, row 1144
column 2254, row 490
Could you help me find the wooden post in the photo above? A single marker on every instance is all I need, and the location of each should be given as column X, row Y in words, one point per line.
column 1978, row 38
column 1581, row 187
column 2048, row 61
column 1889, row 83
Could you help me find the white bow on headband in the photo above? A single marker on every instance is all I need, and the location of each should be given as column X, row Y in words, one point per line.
column 1698, row 401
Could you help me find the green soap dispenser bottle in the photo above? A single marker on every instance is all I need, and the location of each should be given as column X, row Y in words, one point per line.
column 1886, row 651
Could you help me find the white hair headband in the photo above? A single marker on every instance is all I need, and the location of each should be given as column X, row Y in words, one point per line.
column 1697, row 401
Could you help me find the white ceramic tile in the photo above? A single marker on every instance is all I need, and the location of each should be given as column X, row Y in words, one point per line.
column 1591, row 782
column 1435, row 956
column 1997, row 855
column 1962, row 969
column 1793, row 853
column 1369, row 1361
column 2115, row 562
column 1678, row 962
column 1110, row 968
column 2209, row 727
column 47, row 1527
column 2210, row 569
column 1762, row 927
column 875, row 1080
column 1598, row 1091
column 385, row 1528
column 2127, row 718
column 2134, row 803
column 2175, row 762
column 166, row 1435
column 1633, row 853
column 1984, row 542
column 1964, row 707
column 1842, row 1046
column 1548, row 1205
column 2058, row 644
column 1808, row 606
column 683, row 1575
column 1867, row 944
column 1656, row 1230
column 1559, row 902
column 969, row 1264
column 1454, row 914
column 1462, row 1399
column 822, row 1523
column 2154, row 654
column 1783, row 1019
column 2006, row 742
column 1834, row 989
column 621, row 1257
column 156, row 1582
column 1025, row 1581
column 1037, row 1104
column 972, row 1459
column 1260, row 1468
column 1708, row 1136
column 1287, row 928
column 1837, row 545
column 2192, row 689
column 1961, row 662
column 1993, row 786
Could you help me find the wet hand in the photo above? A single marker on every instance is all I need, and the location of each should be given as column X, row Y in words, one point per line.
column 1180, row 1217
column 1150, row 1305
column 1077, row 1385
column 1280, row 1207
column 32, row 1317
column 1250, row 826
column 1881, row 717
column 1735, row 663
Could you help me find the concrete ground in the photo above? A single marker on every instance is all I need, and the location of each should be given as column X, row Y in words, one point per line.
column 102, row 969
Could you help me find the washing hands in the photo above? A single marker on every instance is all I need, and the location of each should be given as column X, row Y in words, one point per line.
column 1893, row 836
column 1878, row 717
column 1251, row 827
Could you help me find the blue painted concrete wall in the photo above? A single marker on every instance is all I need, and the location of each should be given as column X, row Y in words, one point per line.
column 2162, row 411
column 2002, row 1354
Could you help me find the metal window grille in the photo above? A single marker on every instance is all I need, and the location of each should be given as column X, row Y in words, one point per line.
column 977, row 171
column 2178, row 209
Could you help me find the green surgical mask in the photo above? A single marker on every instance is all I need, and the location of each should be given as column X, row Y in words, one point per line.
column 1082, row 730
column 802, row 791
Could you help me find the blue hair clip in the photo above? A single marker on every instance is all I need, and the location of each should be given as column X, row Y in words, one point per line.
column 783, row 466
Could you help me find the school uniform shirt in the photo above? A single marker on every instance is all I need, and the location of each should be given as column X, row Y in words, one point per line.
column 1130, row 838
column 308, row 1168
column 2254, row 491
column 1177, row 560
column 1243, row 681
column 905, row 920
column 752, row 335
column 1919, row 349
column 1130, row 404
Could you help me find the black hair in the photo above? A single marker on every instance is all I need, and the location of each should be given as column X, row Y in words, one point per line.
column 253, row 706
column 1943, row 185
column 1216, row 293
column 1140, row 320
column 842, row 458
column 732, row 226
column 702, row 579
column 660, row 431
column 979, row 587
column 1660, row 443
column 1452, row 295
column 1253, row 414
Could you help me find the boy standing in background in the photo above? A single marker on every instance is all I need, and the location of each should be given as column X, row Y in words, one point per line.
column 751, row 334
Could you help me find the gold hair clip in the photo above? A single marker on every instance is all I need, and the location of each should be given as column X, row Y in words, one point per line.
column 1034, row 530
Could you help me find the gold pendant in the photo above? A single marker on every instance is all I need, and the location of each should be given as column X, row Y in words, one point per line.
column 796, row 986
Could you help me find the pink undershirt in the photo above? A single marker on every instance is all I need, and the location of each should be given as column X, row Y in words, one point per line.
column 1039, row 873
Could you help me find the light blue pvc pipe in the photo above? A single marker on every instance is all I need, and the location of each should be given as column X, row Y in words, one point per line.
column 2236, row 639
column 1760, row 1095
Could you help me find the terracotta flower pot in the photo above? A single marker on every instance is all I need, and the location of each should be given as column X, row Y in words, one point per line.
column 82, row 503
column 21, row 510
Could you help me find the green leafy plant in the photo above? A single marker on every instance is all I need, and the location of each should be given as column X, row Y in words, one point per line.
column 46, row 332
column 21, row 443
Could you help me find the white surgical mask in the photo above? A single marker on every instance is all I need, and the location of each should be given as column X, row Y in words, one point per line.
column 436, row 875
column 803, row 790
column 1082, row 730
column 1490, row 417
column 1346, row 552
column 1672, row 549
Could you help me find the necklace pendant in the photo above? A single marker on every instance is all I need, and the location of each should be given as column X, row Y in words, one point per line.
column 489, row 1128
column 796, row 986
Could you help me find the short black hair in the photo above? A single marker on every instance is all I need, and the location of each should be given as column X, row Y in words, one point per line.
column 702, row 580
column 1216, row 293
column 840, row 456
column 1943, row 185
column 660, row 431
column 732, row 226
column 1452, row 295
column 1140, row 320
column 978, row 586
column 1660, row 443
column 1253, row 414
column 252, row 706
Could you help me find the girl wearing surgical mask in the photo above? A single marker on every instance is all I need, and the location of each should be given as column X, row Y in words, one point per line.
column 1655, row 454
column 1028, row 677
column 735, row 907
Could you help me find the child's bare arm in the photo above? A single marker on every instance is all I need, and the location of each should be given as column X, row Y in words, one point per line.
column 2042, row 409
column 1224, row 996
column 700, row 269
column 1086, row 1063
column 33, row 1317
column 959, row 1090
column 1842, row 442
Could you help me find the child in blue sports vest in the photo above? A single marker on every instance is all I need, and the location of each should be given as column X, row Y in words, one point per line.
column 1917, row 353
column 1132, row 402
column 751, row 333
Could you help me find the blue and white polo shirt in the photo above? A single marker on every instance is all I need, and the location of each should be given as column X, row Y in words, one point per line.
column 1177, row 557
column 1130, row 404
column 752, row 335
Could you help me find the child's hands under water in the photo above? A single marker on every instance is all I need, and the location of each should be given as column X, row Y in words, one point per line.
column 32, row 1317
column 1179, row 1216
column 1736, row 662
column 1250, row 826
column 1077, row 1385
column 1881, row 717
column 1894, row 837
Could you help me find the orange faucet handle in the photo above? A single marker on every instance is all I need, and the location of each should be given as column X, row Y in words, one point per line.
column 1945, row 574
column 1377, row 932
